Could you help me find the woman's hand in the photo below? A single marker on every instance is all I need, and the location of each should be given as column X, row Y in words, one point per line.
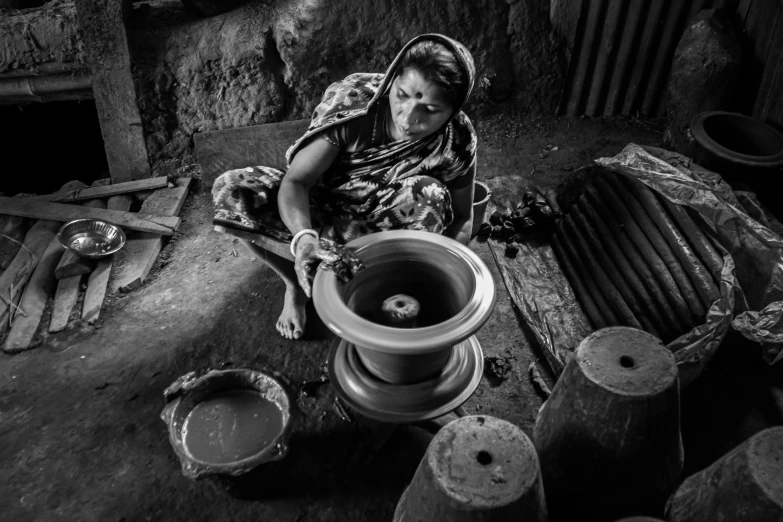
column 306, row 263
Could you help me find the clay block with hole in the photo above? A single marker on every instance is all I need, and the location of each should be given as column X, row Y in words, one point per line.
column 745, row 484
column 609, row 435
column 477, row 468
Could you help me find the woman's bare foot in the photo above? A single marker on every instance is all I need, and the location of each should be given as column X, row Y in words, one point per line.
column 292, row 320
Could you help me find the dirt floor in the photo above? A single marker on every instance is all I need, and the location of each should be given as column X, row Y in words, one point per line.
column 80, row 431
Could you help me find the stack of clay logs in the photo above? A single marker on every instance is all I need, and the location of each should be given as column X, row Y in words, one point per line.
column 636, row 259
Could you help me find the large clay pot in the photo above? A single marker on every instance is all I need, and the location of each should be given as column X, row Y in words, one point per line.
column 456, row 293
column 476, row 469
column 745, row 484
column 608, row 438
column 738, row 147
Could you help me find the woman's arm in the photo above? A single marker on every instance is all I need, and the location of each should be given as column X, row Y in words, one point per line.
column 461, row 190
column 293, row 201
column 308, row 165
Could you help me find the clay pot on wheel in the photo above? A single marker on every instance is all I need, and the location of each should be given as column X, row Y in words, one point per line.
column 382, row 363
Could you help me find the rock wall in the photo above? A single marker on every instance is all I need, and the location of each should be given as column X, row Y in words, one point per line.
column 268, row 60
column 31, row 37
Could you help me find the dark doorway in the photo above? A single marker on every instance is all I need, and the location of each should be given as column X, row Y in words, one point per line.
column 45, row 145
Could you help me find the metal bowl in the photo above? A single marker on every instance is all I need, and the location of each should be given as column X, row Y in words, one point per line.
column 91, row 238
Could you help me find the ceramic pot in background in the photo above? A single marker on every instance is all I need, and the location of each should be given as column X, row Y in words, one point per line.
column 738, row 147
column 481, row 195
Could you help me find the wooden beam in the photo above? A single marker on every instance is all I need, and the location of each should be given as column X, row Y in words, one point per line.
column 105, row 191
column 21, row 268
column 64, row 300
column 103, row 31
column 34, row 300
column 163, row 225
column 99, row 279
column 141, row 250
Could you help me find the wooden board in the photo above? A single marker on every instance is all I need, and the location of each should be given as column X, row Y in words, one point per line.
column 162, row 224
column 21, row 268
column 99, row 279
column 142, row 250
column 34, row 300
column 543, row 296
column 265, row 145
column 65, row 298
column 105, row 191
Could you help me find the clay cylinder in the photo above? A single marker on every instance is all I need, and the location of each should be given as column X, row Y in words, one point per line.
column 476, row 468
column 401, row 311
column 609, row 435
column 746, row 485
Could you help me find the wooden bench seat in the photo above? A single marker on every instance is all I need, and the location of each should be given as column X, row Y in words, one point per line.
column 257, row 145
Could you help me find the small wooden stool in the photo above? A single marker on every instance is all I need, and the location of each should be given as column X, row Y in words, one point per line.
column 609, row 435
column 745, row 485
column 477, row 468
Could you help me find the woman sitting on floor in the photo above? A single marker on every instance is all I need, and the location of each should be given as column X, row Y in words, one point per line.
column 383, row 152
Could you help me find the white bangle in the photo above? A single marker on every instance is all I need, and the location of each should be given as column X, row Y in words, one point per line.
column 298, row 236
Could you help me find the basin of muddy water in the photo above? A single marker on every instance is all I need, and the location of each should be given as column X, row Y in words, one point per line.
column 228, row 422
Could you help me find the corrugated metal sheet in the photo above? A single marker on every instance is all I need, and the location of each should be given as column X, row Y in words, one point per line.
column 622, row 54
column 623, row 50
column 764, row 34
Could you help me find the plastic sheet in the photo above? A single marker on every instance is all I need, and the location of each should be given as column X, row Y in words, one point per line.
column 751, row 285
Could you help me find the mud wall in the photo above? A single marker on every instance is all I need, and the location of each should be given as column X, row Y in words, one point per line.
column 268, row 61
column 265, row 62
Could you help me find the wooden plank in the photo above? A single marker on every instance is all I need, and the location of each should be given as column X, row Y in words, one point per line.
column 34, row 300
column 142, row 250
column 103, row 31
column 219, row 151
column 99, row 279
column 13, row 230
column 141, row 222
column 72, row 264
column 105, row 191
column 21, row 268
column 64, row 300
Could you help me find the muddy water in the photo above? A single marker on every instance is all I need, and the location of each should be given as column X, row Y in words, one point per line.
column 231, row 426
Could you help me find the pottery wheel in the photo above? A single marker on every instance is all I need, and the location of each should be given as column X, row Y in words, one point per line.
column 404, row 403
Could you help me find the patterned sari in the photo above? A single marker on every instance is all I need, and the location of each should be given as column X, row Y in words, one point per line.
column 397, row 185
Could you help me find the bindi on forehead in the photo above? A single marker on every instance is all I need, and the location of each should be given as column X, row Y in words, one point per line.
column 419, row 95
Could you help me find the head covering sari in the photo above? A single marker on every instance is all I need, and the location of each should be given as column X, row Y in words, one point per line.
column 396, row 185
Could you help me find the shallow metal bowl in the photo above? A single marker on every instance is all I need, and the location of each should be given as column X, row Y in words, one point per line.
column 91, row 238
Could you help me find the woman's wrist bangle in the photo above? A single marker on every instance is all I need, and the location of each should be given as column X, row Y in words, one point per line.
column 298, row 236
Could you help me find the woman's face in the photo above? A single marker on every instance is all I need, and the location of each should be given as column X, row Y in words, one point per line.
column 418, row 106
